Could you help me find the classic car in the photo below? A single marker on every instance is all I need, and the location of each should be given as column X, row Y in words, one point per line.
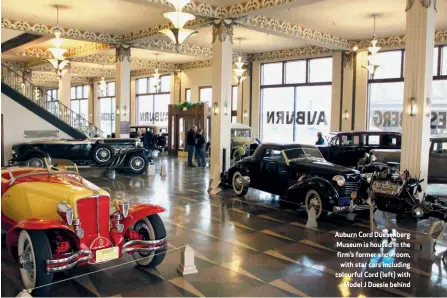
column 300, row 175
column 56, row 220
column 242, row 142
column 127, row 154
column 347, row 148
column 437, row 163
column 160, row 134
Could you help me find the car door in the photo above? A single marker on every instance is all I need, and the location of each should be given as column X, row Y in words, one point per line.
column 273, row 170
column 347, row 150
column 438, row 161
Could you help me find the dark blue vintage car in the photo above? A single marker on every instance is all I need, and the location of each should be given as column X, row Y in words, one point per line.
column 127, row 154
column 299, row 174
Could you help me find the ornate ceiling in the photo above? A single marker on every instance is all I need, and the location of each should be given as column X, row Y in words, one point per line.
column 101, row 25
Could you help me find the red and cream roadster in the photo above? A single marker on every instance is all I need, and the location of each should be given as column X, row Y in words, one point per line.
column 56, row 220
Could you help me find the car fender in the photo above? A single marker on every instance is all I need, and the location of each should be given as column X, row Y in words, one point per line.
column 36, row 224
column 33, row 151
column 299, row 189
column 138, row 211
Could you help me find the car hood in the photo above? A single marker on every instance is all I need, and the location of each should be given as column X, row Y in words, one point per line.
column 324, row 167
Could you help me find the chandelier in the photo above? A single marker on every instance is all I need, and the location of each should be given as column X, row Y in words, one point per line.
column 59, row 62
column 178, row 34
column 103, row 84
column 157, row 75
column 373, row 59
column 239, row 70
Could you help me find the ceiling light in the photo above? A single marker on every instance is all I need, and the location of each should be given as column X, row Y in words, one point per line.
column 58, row 61
column 179, row 19
column 178, row 34
column 156, row 75
column 373, row 59
column 239, row 70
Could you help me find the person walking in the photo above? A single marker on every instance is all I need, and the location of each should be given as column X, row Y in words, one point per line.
column 191, row 143
column 200, row 149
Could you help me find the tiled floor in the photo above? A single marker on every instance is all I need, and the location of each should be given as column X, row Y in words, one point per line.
column 243, row 246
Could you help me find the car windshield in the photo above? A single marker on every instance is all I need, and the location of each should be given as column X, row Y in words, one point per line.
column 242, row 133
column 303, row 153
column 53, row 166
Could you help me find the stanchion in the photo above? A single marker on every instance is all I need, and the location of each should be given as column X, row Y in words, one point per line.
column 163, row 172
column 215, row 181
column 187, row 265
column 150, row 170
column 111, row 174
column 312, row 219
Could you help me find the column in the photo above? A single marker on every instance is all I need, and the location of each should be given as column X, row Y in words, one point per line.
column 133, row 99
column 221, row 68
column 96, row 105
column 64, row 93
column 420, row 35
column 254, row 109
column 122, row 91
column 360, row 109
column 176, row 86
column 91, row 102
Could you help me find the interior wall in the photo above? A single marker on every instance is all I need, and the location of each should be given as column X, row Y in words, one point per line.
column 14, row 130
column 193, row 79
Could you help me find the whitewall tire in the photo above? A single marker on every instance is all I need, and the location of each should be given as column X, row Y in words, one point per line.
column 313, row 200
column 238, row 184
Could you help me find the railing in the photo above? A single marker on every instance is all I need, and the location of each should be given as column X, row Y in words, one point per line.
column 44, row 100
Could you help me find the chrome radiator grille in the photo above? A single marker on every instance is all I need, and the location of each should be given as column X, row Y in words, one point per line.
column 348, row 188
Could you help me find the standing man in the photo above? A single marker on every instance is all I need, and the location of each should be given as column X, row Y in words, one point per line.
column 191, row 143
column 320, row 140
column 200, row 149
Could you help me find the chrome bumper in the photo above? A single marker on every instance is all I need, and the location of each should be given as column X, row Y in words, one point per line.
column 69, row 262
column 87, row 255
column 352, row 208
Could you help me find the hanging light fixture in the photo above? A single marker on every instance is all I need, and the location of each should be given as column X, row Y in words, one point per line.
column 103, row 84
column 239, row 70
column 178, row 34
column 58, row 61
column 156, row 75
column 373, row 59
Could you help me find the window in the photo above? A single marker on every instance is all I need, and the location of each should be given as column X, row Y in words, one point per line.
column 373, row 140
column 188, row 94
column 320, row 70
column 152, row 103
column 206, row 95
column 272, row 155
column 52, row 101
column 107, row 109
column 234, row 93
column 300, row 106
column 79, row 102
column 272, row 74
column 439, row 147
column 386, row 92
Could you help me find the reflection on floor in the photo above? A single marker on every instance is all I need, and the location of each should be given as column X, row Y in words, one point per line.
column 243, row 246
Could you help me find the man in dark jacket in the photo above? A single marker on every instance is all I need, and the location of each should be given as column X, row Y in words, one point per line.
column 320, row 140
column 200, row 148
column 191, row 143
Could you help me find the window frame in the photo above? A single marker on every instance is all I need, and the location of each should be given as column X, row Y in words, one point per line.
column 112, row 131
column 148, row 87
column 283, row 80
column 200, row 93
column 186, row 94
column 234, row 111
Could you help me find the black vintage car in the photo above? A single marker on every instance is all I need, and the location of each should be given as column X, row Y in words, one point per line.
column 347, row 148
column 300, row 175
column 127, row 154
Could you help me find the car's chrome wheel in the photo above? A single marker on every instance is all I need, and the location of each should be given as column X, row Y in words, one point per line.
column 238, row 184
column 103, row 154
column 313, row 200
column 27, row 260
column 36, row 162
column 137, row 163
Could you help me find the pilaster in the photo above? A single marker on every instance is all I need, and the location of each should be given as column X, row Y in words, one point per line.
column 418, row 75
column 64, row 95
column 222, row 63
column 122, row 117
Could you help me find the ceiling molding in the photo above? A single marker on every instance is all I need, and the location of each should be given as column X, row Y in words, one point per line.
column 66, row 32
column 88, row 49
column 195, row 64
column 395, row 41
column 141, row 73
column 291, row 54
column 97, row 59
column 169, row 47
column 152, row 65
column 14, row 64
column 283, row 28
column 51, row 80
column 36, row 53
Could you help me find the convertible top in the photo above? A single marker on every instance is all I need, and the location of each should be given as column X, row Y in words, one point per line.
column 279, row 146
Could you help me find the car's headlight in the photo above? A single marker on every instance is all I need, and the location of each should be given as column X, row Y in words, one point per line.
column 373, row 158
column 122, row 206
column 66, row 212
column 339, row 179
